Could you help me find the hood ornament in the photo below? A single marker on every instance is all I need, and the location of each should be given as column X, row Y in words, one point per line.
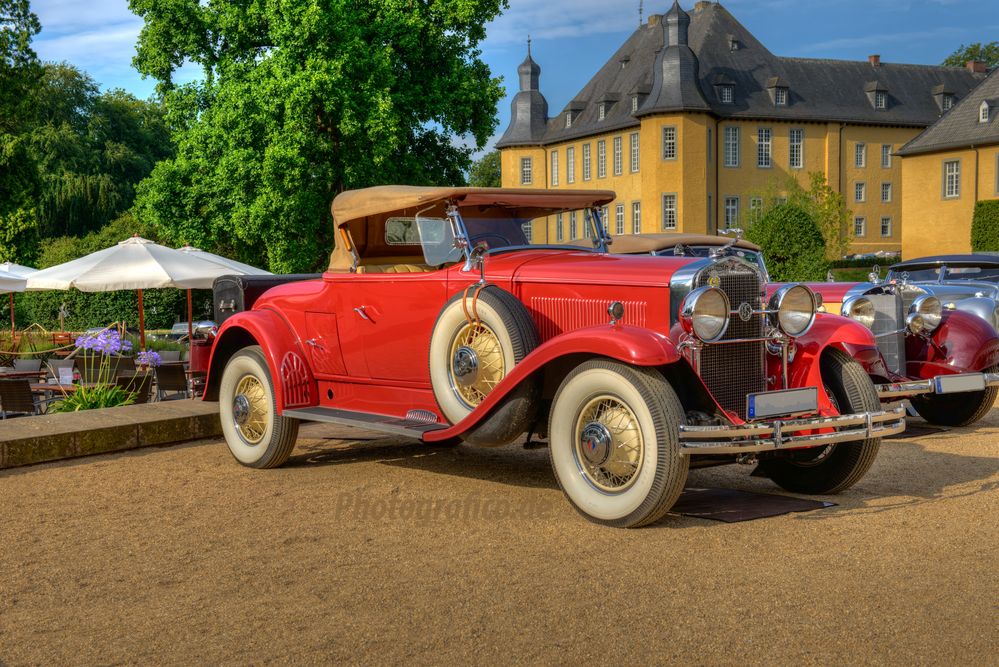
column 875, row 275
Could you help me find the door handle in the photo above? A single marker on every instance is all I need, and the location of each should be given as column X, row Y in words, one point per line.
column 360, row 311
column 313, row 343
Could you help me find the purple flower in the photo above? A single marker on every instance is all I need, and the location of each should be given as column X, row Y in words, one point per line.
column 106, row 342
column 148, row 358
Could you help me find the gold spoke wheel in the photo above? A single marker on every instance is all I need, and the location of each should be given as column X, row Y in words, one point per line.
column 477, row 364
column 609, row 444
column 250, row 410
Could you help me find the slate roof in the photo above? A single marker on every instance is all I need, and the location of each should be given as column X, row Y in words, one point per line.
column 959, row 127
column 818, row 89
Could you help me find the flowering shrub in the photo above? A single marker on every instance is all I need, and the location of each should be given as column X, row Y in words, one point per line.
column 148, row 358
column 101, row 346
column 92, row 398
column 105, row 342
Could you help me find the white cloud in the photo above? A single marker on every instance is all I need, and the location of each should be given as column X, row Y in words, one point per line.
column 564, row 18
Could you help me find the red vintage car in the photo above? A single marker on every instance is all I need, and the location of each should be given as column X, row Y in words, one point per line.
column 944, row 360
column 437, row 319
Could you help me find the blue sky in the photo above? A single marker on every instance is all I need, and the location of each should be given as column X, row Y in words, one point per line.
column 572, row 38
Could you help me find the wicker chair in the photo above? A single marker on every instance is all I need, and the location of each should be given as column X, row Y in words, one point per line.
column 140, row 384
column 171, row 378
column 16, row 398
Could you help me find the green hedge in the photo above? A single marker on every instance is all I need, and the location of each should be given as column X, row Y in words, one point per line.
column 792, row 244
column 985, row 226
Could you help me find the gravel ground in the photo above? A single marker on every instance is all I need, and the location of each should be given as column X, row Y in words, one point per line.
column 373, row 550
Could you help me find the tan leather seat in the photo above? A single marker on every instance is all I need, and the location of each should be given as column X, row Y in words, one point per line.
column 393, row 268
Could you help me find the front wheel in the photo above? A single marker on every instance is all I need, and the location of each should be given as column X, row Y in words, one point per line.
column 257, row 436
column 833, row 468
column 957, row 409
column 614, row 443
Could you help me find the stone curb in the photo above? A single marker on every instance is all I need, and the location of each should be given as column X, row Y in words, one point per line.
column 28, row 440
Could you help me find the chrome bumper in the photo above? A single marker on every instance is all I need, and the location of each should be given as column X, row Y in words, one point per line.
column 895, row 390
column 780, row 434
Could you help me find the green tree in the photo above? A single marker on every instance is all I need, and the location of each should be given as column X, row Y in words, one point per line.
column 300, row 102
column 792, row 243
column 824, row 205
column 485, row 172
column 18, row 63
column 985, row 226
column 985, row 53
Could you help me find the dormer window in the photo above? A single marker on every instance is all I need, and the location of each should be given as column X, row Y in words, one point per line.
column 568, row 119
column 780, row 96
column 634, row 103
column 877, row 95
column 983, row 113
column 880, row 99
column 948, row 102
column 602, row 111
column 726, row 94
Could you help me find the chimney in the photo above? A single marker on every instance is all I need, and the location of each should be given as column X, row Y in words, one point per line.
column 976, row 66
column 654, row 19
column 875, row 60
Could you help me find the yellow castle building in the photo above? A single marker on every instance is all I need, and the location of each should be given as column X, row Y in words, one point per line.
column 692, row 116
column 948, row 168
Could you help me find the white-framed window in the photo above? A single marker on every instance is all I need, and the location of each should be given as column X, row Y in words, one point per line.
column 587, row 231
column 983, row 112
column 755, row 208
column 860, row 227
column 602, row 159
column 885, row 226
column 780, row 96
column 634, row 152
column 636, row 217
column 796, row 148
column 570, row 164
column 731, row 212
column 526, row 170
column 764, row 153
column 601, row 111
column 880, row 99
column 618, row 156
column 726, row 94
column 886, row 156
column 948, row 102
column 732, row 146
column 554, row 167
column 573, row 226
column 860, row 191
column 860, row 155
column 669, row 143
column 669, row 211
column 619, row 219
column 634, row 103
column 952, row 179
column 886, row 192
column 559, row 227
column 528, row 228
column 587, row 168
column 568, row 119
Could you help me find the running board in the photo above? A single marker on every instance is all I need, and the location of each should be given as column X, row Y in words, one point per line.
column 410, row 428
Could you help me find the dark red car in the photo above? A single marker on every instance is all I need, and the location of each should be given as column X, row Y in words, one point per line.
column 437, row 319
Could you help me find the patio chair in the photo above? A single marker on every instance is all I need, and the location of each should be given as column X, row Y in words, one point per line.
column 88, row 366
column 25, row 365
column 171, row 378
column 16, row 398
column 139, row 383
column 170, row 355
column 122, row 365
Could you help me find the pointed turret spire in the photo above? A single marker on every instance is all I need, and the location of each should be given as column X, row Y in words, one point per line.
column 529, row 70
column 529, row 110
column 677, row 23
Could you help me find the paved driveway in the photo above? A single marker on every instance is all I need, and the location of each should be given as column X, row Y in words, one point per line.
column 373, row 550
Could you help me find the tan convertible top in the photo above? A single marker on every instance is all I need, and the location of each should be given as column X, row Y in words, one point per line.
column 394, row 199
column 637, row 244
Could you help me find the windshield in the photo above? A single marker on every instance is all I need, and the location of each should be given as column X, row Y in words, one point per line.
column 953, row 273
column 684, row 250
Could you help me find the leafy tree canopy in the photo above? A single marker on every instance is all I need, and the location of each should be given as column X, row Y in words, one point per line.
column 792, row 244
column 486, row 172
column 986, row 53
column 18, row 62
column 302, row 100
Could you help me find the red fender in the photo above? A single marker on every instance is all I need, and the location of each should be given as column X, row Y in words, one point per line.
column 962, row 343
column 834, row 331
column 632, row 345
column 294, row 384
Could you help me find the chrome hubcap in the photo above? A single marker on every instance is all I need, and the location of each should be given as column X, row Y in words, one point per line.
column 240, row 409
column 595, row 443
column 465, row 366
column 476, row 363
column 609, row 444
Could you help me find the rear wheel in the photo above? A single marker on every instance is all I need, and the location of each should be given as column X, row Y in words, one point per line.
column 257, row 436
column 957, row 409
column 614, row 443
column 837, row 467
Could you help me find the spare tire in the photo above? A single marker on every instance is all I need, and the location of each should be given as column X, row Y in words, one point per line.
column 468, row 360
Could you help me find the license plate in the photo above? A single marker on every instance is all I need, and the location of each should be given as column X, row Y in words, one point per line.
column 775, row 403
column 955, row 384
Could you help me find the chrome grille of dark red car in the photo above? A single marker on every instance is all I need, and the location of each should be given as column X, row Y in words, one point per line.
column 889, row 319
column 733, row 370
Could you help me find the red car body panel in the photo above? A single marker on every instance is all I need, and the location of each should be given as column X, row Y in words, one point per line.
column 962, row 343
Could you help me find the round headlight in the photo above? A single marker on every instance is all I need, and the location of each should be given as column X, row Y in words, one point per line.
column 795, row 309
column 705, row 311
column 860, row 309
column 929, row 310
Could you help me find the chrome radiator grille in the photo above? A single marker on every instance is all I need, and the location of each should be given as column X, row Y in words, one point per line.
column 733, row 370
column 889, row 319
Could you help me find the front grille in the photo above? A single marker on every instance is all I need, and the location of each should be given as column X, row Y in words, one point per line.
column 889, row 319
column 733, row 370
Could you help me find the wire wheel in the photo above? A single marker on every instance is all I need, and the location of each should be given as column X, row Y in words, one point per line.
column 477, row 364
column 250, row 413
column 609, row 444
